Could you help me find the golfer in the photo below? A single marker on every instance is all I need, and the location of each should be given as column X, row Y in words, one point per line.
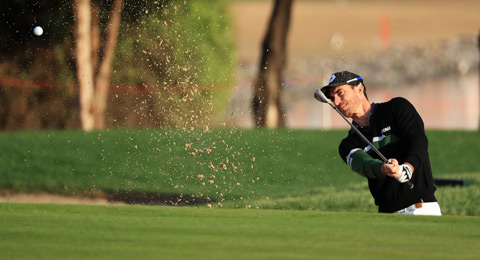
column 397, row 130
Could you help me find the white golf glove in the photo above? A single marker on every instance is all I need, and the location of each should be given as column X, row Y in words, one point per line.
column 406, row 172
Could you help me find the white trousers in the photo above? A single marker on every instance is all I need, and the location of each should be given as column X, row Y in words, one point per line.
column 422, row 208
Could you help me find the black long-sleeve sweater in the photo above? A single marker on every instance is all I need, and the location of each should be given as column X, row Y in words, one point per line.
column 397, row 130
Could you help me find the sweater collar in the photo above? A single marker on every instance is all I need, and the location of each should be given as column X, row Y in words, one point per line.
column 369, row 116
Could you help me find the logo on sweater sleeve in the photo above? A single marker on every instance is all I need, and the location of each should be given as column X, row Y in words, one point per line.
column 386, row 129
column 350, row 158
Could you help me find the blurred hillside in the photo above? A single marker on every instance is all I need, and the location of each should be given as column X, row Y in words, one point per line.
column 346, row 28
column 426, row 51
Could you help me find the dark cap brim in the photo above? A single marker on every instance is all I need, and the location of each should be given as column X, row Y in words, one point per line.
column 326, row 89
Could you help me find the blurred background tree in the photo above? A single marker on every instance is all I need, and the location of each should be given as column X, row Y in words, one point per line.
column 268, row 109
column 94, row 54
column 173, row 65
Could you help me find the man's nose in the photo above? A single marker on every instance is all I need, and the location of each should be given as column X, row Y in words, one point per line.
column 336, row 100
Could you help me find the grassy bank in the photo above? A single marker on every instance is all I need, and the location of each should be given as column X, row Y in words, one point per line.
column 281, row 169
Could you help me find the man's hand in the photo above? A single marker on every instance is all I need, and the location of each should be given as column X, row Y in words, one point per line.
column 405, row 173
column 402, row 173
column 391, row 169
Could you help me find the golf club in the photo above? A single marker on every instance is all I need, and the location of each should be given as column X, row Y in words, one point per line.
column 322, row 98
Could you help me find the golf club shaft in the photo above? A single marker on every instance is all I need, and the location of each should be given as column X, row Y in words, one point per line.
column 384, row 159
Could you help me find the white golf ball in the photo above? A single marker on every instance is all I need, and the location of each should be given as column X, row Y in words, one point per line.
column 38, row 31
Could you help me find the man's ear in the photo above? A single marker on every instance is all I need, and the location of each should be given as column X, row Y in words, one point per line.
column 360, row 88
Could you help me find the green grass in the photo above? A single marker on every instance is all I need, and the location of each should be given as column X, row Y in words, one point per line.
column 140, row 232
column 295, row 170
column 269, row 169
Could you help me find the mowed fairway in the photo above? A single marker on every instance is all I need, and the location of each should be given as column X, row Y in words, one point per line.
column 49, row 231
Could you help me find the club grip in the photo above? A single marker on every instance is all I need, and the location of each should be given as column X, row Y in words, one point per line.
column 410, row 185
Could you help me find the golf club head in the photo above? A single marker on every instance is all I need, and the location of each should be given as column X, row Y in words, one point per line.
column 320, row 96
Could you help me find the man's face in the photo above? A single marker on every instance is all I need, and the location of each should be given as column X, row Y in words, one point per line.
column 347, row 98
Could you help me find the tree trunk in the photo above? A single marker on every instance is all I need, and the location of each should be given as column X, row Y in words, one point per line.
column 84, row 62
column 102, row 81
column 93, row 82
column 95, row 34
column 267, row 103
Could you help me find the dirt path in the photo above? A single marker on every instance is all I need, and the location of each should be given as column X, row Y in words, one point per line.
column 56, row 199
